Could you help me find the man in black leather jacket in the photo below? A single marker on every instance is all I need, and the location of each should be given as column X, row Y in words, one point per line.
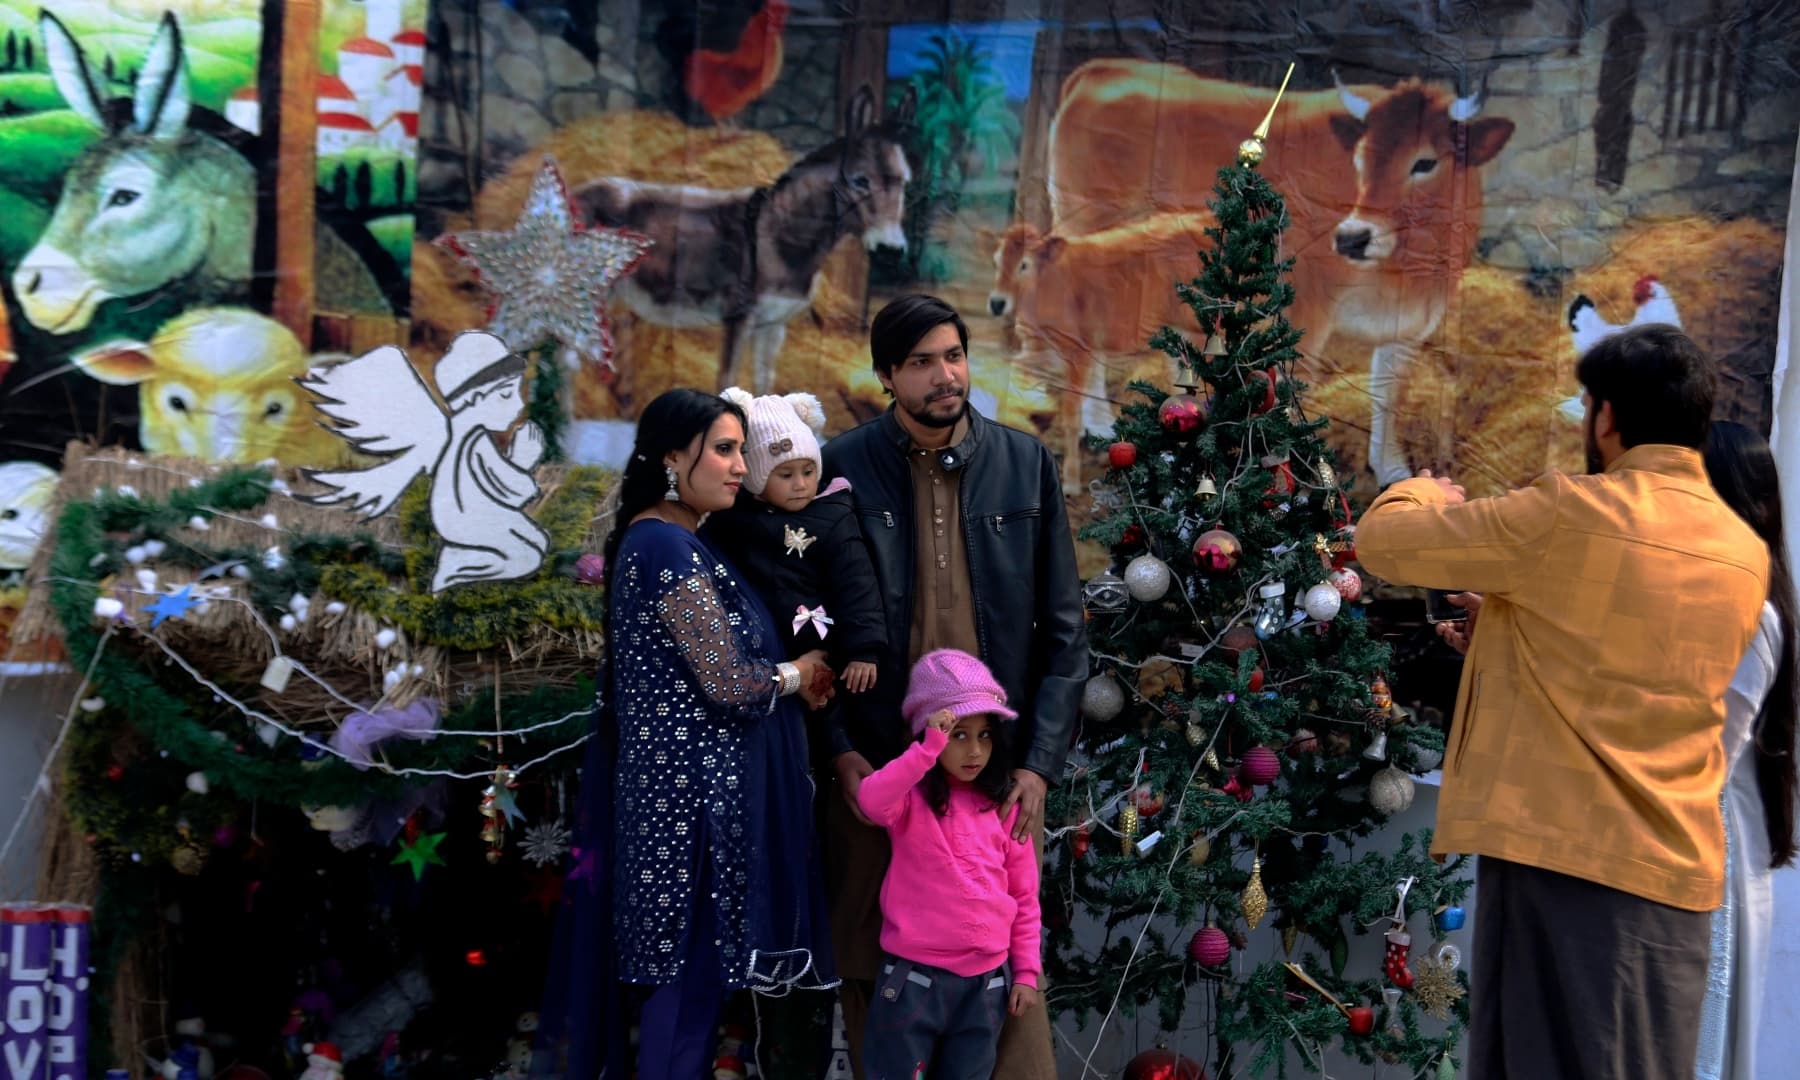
column 972, row 548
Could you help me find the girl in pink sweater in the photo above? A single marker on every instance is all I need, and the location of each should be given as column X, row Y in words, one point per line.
column 961, row 895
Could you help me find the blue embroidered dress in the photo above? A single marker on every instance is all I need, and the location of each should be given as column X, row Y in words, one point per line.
column 713, row 821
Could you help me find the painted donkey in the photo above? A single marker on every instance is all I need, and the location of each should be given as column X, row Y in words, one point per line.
column 154, row 204
column 745, row 259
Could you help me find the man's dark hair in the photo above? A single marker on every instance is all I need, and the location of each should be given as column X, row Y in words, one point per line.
column 1661, row 385
column 903, row 322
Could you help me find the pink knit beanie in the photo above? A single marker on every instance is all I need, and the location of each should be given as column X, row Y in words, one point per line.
column 779, row 430
column 954, row 680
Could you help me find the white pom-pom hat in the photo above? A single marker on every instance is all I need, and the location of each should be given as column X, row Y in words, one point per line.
column 782, row 429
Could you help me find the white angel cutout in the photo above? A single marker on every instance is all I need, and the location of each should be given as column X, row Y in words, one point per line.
column 478, row 492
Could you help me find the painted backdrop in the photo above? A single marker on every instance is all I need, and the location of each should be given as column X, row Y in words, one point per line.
column 1475, row 193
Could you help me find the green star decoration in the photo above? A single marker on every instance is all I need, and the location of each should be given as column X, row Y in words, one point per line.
column 420, row 852
column 549, row 275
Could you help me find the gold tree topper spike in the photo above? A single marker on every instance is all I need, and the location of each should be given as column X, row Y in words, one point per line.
column 1250, row 151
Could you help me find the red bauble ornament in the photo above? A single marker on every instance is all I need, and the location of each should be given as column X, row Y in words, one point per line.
column 1256, row 679
column 1162, row 1064
column 1121, row 455
column 1132, row 538
column 1210, row 947
column 1081, row 842
column 1348, row 583
column 1362, row 1019
column 1281, row 486
column 115, row 773
column 1268, row 398
column 1237, row 641
column 1182, row 416
column 1217, row 552
column 1149, row 803
column 1260, row 766
column 1304, row 742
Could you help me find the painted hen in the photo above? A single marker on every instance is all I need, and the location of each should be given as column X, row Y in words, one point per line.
column 725, row 83
column 1587, row 328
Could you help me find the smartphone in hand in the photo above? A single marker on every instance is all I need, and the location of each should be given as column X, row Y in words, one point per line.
column 1439, row 609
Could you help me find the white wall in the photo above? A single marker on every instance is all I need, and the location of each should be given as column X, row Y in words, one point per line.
column 30, row 707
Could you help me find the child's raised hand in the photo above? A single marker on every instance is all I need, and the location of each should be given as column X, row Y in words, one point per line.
column 859, row 676
column 942, row 720
column 1024, row 997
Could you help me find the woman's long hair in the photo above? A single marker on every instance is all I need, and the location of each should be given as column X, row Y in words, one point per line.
column 1742, row 469
column 671, row 422
column 995, row 779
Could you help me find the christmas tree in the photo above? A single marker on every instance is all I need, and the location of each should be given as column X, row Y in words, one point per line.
column 1239, row 739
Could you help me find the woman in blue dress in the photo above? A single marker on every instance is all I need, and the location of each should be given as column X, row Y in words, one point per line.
column 700, row 871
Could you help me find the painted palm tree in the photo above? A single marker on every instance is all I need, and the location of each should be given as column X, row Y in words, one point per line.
column 963, row 128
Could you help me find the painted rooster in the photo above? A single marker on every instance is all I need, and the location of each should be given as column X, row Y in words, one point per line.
column 1587, row 328
column 725, row 82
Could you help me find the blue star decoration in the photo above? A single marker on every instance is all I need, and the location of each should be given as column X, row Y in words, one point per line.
column 550, row 274
column 171, row 606
column 508, row 804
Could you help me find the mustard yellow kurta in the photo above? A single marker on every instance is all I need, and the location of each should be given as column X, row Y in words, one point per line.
column 1587, row 731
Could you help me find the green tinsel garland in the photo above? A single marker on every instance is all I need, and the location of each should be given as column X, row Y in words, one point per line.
column 142, row 815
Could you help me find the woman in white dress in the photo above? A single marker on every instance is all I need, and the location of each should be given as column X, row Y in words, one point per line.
column 1759, row 797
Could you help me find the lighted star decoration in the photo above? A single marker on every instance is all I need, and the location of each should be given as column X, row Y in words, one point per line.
column 420, row 852
column 545, row 843
column 1434, row 982
column 550, row 274
column 173, row 605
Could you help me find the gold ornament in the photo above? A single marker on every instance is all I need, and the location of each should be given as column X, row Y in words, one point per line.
column 1380, row 695
column 1200, row 850
column 1250, row 152
column 1434, row 982
column 1128, row 828
column 1211, row 760
column 1290, row 936
column 188, row 859
column 1195, row 733
column 1255, row 901
column 1327, row 476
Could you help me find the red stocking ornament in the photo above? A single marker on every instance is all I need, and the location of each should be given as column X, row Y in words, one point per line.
column 1399, row 943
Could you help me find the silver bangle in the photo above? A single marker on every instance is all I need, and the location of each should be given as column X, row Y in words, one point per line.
column 789, row 677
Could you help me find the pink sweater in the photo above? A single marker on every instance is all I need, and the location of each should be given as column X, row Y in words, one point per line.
column 961, row 894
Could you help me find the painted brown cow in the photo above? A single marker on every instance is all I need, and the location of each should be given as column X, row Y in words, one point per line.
column 1380, row 185
column 1087, row 297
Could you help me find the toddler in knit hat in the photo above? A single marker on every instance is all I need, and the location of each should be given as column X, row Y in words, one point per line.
column 960, row 899
column 801, row 549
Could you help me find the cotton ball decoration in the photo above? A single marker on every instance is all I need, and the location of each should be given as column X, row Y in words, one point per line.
column 107, row 607
column 1102, row 699
column 1391, row 791
column 1348, row 583
column 1322, row 602
column 385, row 637
column 1210, row 947
column 288, row 624
column 197, row 783
column 1147, row 578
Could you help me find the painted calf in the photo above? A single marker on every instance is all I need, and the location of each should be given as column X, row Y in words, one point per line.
column 746, row 259
column 218, row 384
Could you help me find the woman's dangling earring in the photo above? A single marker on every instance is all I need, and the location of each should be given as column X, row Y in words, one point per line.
column 674, row 492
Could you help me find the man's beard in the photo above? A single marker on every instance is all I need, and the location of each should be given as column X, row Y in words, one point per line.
column 1595, row 465
column 924, row 417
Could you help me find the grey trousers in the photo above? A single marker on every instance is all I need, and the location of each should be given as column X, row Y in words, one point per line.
column 929, row 1023
column 1571, row 980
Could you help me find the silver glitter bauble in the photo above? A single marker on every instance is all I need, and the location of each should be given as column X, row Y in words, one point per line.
column 1322, row 602
column 1102, row 699
column 1390, row 791
column 1147, row 578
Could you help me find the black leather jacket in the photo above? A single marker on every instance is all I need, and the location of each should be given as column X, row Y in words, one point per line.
column 1026, row 590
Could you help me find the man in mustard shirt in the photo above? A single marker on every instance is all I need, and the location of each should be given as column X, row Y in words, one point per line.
column 1584, row 765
